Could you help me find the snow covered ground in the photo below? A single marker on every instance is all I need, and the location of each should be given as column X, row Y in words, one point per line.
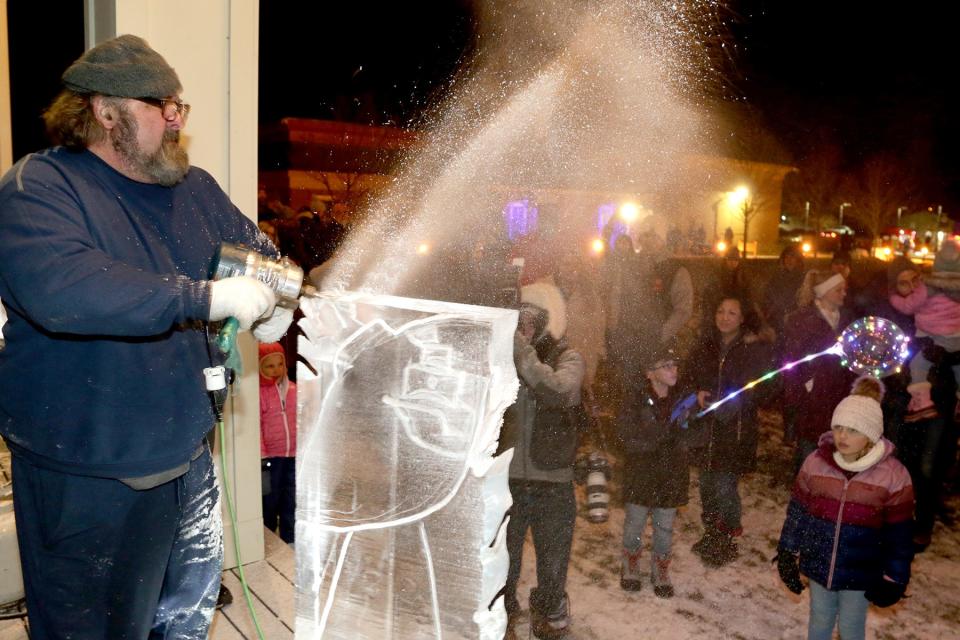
column 744, row 600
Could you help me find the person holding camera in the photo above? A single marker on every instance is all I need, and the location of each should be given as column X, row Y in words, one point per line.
column 542, row 430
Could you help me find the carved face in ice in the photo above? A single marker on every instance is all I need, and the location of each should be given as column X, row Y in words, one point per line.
column 400, row 413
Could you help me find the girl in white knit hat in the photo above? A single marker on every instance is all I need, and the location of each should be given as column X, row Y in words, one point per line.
column 850, row 520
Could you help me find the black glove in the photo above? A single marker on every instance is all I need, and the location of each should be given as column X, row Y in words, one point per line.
column 788, row 564
column 885, row 593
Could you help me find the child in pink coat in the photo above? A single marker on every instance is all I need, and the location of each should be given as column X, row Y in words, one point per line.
column 278, row 441
column 935, row 305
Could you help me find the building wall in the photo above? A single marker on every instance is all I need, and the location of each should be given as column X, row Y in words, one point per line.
column 343, row 162
column 6, row 139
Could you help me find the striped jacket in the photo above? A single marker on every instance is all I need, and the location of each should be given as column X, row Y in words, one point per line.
column 850, row 531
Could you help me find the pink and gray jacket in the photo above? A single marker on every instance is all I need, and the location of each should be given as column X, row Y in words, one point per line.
column 850, row 530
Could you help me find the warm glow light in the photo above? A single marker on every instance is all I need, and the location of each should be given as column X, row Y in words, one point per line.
column 739, row 195
column 423, row 248
column 596, row 246
column 629, row 212
column 721, row 246
column 806, row 248
column 887, row 251
column 924, row 251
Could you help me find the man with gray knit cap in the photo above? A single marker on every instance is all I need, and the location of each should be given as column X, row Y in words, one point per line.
column 107, row 244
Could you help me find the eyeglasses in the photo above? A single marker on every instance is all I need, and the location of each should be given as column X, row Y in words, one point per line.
column 170, row 108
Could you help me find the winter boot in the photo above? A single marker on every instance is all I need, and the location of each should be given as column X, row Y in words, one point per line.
column 551, row 626
column 920, row 542
column 705, row 544
column 722, row 551
column 630, row 570
column 660, row 576
column 921, row 405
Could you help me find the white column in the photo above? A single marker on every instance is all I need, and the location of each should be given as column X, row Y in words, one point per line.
column 6, row 142
column 213, row 47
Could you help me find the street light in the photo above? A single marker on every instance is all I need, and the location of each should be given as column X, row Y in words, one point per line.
column 899, row 211
column 629, row 212
column 842, row 207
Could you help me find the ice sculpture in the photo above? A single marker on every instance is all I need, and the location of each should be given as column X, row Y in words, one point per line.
column 400, row 500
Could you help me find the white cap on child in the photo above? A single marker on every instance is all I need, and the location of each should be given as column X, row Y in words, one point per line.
column 862, row 413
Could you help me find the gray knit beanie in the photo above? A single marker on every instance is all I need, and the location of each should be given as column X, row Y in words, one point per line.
column 125, row 67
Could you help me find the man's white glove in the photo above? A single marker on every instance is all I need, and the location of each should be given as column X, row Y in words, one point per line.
column 272, row 328
column 241, row 297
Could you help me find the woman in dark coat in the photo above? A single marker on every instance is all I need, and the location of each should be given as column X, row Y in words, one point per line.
column 728, row 356
column 813, row 389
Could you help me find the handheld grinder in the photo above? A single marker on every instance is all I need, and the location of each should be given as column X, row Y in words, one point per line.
column 282, row 275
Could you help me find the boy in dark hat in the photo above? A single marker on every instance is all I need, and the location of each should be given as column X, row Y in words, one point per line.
column 656, row 476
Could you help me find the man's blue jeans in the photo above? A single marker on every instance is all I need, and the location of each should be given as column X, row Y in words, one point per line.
column 846, row 610
column 102, row 560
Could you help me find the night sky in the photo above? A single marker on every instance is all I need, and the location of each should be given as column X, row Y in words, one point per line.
column 865, row 76
column 869, row 76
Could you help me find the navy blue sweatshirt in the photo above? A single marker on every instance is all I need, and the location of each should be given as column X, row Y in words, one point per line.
column 105, row 281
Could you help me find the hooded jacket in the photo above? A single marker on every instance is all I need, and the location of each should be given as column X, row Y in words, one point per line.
column 550, row 375
column 851, row 529
column 278, row 411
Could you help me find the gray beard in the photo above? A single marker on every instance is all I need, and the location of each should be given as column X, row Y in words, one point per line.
column 167, row 165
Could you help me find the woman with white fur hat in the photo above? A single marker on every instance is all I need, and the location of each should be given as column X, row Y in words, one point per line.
column 850, row 520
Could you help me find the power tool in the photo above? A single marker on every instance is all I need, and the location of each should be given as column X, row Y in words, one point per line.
column 282, row 275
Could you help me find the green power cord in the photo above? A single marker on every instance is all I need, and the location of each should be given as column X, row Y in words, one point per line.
column 236, row 531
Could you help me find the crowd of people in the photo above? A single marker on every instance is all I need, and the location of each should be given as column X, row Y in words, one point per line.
column 871, row 457
column 105, row 411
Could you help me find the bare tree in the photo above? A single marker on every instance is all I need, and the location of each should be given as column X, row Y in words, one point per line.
column 748, row 210
column 882, row 184
column 817, row 181
column 364, row 158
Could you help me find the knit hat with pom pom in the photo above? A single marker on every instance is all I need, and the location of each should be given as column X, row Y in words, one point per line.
column 861, row 409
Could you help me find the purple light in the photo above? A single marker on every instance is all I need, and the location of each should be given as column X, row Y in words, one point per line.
column 521, row 218
column 605, row 213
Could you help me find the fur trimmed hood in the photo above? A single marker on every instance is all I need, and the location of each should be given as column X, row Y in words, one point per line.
column 549, row 298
